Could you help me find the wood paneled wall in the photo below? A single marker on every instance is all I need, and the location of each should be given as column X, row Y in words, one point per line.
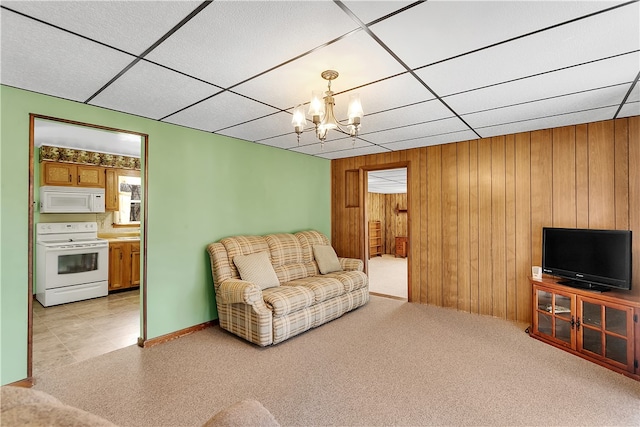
column 476, row 208
column 383, row 207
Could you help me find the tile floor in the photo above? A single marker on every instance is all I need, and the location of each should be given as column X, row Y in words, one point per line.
column 69, row 333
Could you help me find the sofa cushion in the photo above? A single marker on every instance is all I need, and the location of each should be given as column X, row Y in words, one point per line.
column 307, row 240
column 326, row 258
column 283, row 300
column 351, row 280
column 243, row 245
column 257, row 268
column 286, row 256
column 323, row 288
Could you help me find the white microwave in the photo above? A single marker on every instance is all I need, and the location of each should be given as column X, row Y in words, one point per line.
column 54, row 199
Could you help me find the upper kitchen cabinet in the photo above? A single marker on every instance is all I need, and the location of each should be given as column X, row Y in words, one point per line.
column 71, row 175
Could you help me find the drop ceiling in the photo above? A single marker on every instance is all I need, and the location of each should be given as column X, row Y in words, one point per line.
column 427, row 72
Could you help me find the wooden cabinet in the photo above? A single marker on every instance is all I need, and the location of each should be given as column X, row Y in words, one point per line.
column 401, row 246
column 124, row 265
column 600, row 327
column 111, row 186
column 111, row 190
column 71, row 175
column 375, row 239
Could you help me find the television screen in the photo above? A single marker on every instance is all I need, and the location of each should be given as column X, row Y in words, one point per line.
column 592, row 259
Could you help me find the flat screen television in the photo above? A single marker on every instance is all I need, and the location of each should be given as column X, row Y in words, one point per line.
column 590, row 259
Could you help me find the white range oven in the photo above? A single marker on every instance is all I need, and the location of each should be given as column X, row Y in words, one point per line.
column 72, row 263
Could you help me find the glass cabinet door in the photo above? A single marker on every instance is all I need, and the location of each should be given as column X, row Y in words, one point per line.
column 606, row 331
column 554, row 316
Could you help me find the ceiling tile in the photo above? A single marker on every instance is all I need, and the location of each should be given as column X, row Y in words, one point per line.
column 40, row 58
column 129, row 25
column 632, row 106
column 219, row 112
column 413, row 114
column 391, row 93
column 363, row 151
column 549, row 122
column 263, row 128
column 283, row 141
column 445, row 138
column 444, row 29
column 368, row 11
column 352, row 57
column 230, row 41
column 152, row 91
column 585, row 77
column 343, row 144
column 423, row 130
column 582, row 41
column 611, row 96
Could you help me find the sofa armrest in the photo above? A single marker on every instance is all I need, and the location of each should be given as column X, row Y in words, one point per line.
column 351, row 264
column 233, row 291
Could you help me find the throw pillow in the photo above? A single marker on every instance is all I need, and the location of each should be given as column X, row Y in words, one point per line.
column 326, row 258
column 257, row 268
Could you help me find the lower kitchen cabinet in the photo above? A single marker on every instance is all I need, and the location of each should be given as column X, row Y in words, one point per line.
column 124, row 265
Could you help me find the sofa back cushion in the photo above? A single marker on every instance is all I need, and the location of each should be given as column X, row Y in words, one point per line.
column 243, row 245
column 286, row 257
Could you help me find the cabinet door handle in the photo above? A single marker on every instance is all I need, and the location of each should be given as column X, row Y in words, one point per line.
column 573, row 322
column 70, row 178
column 578, row 324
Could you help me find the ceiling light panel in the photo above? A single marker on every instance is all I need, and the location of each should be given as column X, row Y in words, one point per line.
column 608, row 72
column 219, row 112
column 40, row 58
column 59, row 134
column 129, row 25
column 585, row 40
column 425, row 141
column 568, row 119
column 422, row 130
column 229, row 42
column 352, row 57
column 152, row 91
column 611, row 96
column 445, row 29
column 417, row 113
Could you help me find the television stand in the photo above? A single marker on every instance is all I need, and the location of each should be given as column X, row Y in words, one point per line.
column 603, row 328
column 583, row 285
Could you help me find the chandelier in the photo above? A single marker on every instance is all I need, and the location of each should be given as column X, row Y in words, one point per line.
column 322, row 114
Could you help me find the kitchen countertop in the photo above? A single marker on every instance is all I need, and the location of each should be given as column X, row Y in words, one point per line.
column 120, row 237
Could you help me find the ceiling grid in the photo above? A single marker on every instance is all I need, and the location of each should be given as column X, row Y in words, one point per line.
column 427, row 72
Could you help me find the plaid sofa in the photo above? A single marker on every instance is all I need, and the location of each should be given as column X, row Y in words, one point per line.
column 303, row 300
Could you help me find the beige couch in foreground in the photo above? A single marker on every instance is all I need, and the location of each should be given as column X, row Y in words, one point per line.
column 27, row 407
column 270, row 288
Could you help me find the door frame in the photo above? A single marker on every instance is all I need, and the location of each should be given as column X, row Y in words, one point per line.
column 31, row 235
column 365, row 214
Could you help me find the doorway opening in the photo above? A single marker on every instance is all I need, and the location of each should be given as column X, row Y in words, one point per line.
column 82, row 324
column 387, row 232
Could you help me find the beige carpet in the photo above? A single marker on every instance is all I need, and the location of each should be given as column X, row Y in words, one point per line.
column 388, row 276
column 387, row 363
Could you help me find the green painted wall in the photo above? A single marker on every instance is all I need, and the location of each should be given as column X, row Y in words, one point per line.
column 202, row 187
